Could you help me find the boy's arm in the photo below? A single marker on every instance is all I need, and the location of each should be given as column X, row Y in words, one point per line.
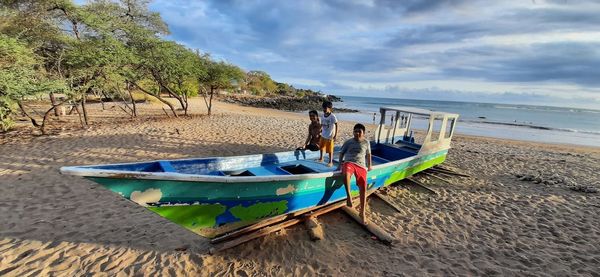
column 335, row 133
column 308, row 137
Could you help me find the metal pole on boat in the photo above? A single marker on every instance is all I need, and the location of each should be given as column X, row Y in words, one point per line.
column 381, row 123
column 395, row 126
column 408, row 122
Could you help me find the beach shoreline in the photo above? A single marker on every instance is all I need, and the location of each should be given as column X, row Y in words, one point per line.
column 490, row 224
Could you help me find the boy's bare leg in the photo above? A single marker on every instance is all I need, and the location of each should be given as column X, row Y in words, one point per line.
column 320, row 155
column 330, row 164
column 347, row 185
column 363, row 203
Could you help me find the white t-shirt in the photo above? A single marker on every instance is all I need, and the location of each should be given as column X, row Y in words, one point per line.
column 328, row 125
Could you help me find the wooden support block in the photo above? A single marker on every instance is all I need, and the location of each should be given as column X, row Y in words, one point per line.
column 387, row 200
column 315, row 230
column 381, row 234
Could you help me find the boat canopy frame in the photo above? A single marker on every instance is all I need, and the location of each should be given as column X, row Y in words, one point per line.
column 400, row 130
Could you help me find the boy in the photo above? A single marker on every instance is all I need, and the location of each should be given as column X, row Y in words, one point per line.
column 355, row 159
column 314, row 132
column 329, row 132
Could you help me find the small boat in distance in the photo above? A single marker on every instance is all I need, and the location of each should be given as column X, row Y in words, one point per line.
column 211, row 195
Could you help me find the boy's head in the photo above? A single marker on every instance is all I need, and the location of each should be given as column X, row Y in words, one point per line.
column 359, row 131
column 313, row 115
column 327, row 107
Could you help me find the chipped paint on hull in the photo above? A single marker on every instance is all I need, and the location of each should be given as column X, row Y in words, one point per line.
column 203, row 207
column 259, row 210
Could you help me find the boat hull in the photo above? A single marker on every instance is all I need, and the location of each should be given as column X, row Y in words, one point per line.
column 209, row 208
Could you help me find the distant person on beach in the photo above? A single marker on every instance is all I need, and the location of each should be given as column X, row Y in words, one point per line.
column 355, row 159
column 329, row 127
column 374, row 116
column 314, row 132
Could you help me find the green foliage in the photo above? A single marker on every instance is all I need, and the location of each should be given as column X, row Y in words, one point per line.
column 260, row 83
column 221, row 75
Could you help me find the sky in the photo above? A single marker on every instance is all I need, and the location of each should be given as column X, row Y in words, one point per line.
column 528, row 52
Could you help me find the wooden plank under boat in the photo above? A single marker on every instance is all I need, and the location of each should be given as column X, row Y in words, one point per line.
column 210, row 195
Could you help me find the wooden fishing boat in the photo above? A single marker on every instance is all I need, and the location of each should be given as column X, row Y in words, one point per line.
column 210, row 195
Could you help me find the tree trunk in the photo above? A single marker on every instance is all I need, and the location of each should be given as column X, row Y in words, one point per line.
column 33, row 121
column 212, row 92
column 53, row 102
column 157, row 97
column 85, row 115
column 182, row 101
column 132, row 101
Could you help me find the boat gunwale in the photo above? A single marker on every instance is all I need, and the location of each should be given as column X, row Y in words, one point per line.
column 87, row 171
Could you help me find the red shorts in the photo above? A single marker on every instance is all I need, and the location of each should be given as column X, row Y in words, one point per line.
column 358, row 171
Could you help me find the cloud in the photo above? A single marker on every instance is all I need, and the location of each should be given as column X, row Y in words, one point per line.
column 544, row 45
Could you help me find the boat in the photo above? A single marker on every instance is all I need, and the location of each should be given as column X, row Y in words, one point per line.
column 211, row 195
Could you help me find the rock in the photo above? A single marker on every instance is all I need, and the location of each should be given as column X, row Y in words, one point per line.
column 287, row 103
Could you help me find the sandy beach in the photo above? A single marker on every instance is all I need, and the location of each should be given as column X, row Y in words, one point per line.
column 517, row 215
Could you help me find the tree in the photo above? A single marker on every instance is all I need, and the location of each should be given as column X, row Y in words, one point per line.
column 219, row 75
column 21, row 76
column 174, row 68
column 260, row 83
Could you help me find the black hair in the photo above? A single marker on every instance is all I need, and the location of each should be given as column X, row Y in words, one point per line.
column 313, row 112
column 327, row 104
column 360, row 126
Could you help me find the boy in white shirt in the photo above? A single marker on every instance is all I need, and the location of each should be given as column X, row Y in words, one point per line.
column 328, row 132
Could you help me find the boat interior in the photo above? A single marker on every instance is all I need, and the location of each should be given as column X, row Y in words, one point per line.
column 287, row 163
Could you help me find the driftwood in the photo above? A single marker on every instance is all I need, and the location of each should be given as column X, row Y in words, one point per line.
column 387, row 200
column 381, row 234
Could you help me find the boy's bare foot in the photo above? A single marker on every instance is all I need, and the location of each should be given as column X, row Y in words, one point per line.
column 330, row 164
column 319, row 160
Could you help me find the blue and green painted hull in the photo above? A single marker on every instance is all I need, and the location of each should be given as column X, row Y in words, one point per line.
column 207, row 207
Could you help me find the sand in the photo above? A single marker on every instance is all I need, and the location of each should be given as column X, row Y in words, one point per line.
column 489, row 224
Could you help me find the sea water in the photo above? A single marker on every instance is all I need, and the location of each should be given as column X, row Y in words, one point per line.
column 510, row 121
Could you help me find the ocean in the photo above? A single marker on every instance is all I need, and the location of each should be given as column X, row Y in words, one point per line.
column 511, row 121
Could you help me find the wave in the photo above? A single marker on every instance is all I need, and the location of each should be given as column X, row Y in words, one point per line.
column 538, row 127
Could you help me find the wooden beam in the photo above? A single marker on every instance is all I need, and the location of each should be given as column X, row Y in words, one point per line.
column 265, row 231
column 277, row 219
column 420, row 187
column 241, row 236
column 387, row 200
column 381, row 234
column 455, row 171
column 446, row 171
column 437, row 177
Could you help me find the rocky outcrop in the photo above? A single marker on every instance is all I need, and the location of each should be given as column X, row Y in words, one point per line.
column 286, row 103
